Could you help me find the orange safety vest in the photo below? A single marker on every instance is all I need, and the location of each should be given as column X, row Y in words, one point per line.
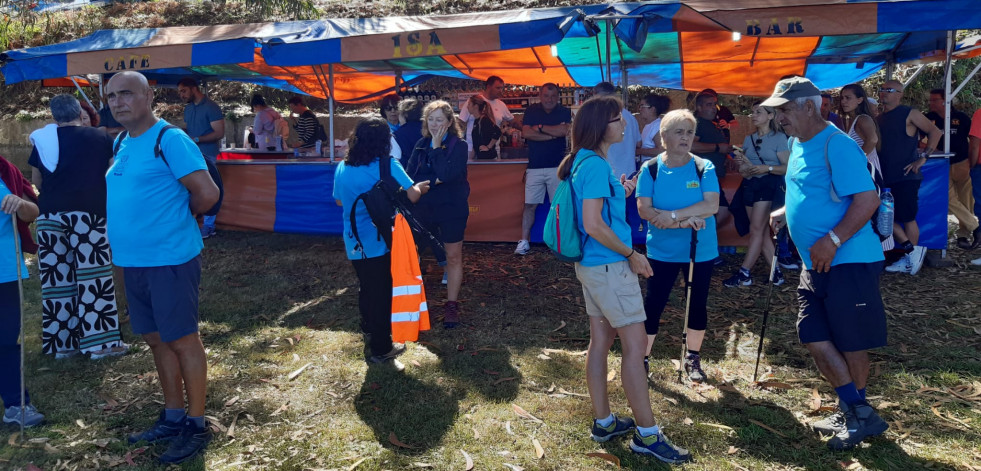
column 410, row 315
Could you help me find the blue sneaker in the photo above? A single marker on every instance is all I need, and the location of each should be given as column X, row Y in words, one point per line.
column 162, row 430
column 191, row 441
column 12, row 415
column 660, row 447
column 617, row 428
column 207, row 231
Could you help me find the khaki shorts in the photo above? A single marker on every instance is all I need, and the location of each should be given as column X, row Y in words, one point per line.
column 612, row 291
column 537, row 181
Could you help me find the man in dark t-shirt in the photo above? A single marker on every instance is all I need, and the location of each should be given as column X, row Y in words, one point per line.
column 712, row 143
column 960, row 204
column 545, row 127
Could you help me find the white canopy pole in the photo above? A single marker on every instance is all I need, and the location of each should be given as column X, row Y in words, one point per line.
column 948, row 97
column 84, row 95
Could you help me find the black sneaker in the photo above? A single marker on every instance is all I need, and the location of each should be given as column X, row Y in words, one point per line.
column 718, row 261
column 778, row 278
column 191, row 441
column 977, row 238
column 830, row 425
column 788, row 263
column 397, row 349
column 159, row 432
column 963, row 243
column 861, row 422
column 647, row 366
column 693, row 366
column 620, row 426
column 738, row 279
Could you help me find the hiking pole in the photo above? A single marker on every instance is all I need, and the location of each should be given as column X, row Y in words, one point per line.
column 20, row 306
column 684, row 327
column 766, row 307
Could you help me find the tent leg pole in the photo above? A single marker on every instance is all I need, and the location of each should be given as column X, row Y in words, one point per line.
column 966, row 80
column 948, row 77
column 330, row 107
column 609, row 58
column 624, row 93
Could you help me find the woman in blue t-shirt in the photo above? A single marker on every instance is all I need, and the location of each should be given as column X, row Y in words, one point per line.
column 676, row 200
column 10, row 261
column 441, row 157
column 763, row 164
column 608, row 273
column 359, row 172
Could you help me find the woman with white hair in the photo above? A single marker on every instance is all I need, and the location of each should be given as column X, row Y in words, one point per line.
column 78, row 308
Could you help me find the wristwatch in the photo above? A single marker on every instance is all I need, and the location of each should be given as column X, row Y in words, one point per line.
column 769, row 169
column 674, row 216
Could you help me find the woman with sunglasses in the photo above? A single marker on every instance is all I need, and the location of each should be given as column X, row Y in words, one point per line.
column 763, row 164
column 608, row 273
column 389, row 109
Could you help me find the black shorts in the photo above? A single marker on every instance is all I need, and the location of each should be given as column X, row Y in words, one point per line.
column 447, row 230
column 760, row 189
column 842, row 306
column 907, row 195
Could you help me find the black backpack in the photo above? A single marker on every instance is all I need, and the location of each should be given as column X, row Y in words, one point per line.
column 158, row 153
column 382, row 201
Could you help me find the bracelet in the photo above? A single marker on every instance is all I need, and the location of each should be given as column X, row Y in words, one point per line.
column 632, row 252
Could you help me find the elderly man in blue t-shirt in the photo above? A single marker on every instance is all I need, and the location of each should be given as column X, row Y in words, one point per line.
column 152, row 201
column 830, row 201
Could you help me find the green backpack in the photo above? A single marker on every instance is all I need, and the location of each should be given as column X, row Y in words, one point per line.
column 561, row 233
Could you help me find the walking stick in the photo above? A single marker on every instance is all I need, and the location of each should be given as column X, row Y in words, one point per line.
column 20, row 305
column 766, row 308
column 684, row 327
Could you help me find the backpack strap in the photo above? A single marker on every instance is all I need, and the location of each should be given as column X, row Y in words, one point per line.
column 652, row 166
column 827, row 163
column 157, row 148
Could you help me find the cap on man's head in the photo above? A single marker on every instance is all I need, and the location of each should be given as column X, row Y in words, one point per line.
column 791, row 89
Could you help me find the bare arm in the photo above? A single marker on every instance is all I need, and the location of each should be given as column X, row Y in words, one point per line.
column 36, row 177
column 21, row 205
column 934, row 134
column 866, row 130
column 596, row 227
column 414, row 192
column 204, row 192
column 859, row 212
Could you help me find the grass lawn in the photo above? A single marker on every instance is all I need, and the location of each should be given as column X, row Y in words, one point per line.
column 505, row 390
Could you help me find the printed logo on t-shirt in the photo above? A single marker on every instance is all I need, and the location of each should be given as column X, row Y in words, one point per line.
column 692, row 184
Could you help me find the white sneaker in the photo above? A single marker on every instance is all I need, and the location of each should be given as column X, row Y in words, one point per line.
column 901, row 266
column 976, row 261
column 523, row 247
column 916, row 258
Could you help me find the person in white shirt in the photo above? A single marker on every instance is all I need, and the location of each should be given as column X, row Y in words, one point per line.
column 652, row 109
column 493, row 89
column 622, row 155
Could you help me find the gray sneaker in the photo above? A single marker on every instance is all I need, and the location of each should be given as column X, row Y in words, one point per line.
column 31, row 415
column 861, row 422
column 830, row 425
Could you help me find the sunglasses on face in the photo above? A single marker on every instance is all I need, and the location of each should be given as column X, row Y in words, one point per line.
column 646, row 106
column 888, row 90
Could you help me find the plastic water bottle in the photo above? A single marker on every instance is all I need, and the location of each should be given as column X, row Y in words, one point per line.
column 887, row 211
column 222, row 144
column 318, row 148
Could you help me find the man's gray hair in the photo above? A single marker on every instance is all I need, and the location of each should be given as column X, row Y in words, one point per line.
column 815, row 100
column 65, row 108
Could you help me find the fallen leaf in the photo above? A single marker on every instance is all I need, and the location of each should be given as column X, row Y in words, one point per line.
column 476, row 434
column 50, row 449
column 761, row 424
column 605, row 456
column 671, row 400
column 509, row 378
column 419, row 464
column 12, row 441
column 887, row 404
column 80, row 423
column 492, row 373
column 231, row 428
column 514, row 467
column 231, row 401
column 395, row 441
column 563, row 391
column 507, row 426
column 732, row 450
column 129, row 458
column 718, row 426
column 31, row 467
column 469, row 465
column 539, row 451
column 281, row 409
column 560, row 327
column 296, row 373
column 524, row 414
column 850, row 465
column 688, row 421
column 488, row 349
column 815, row 403
column 416, row 363
column 612, row 374
column 355, row 464
column 774, row 384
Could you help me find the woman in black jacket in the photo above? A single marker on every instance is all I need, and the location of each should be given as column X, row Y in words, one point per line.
column 441, row 157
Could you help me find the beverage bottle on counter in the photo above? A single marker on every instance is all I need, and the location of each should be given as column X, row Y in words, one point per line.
column 318, row 147
column 221, row 144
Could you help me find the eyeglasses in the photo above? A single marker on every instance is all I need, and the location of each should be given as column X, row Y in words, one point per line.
column 888, row 90
column 390, row 108
column 614, row 120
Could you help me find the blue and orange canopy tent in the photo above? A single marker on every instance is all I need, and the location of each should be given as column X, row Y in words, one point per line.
column 680, row 45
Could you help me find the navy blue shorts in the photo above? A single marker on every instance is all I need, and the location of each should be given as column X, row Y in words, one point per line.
column 164, row 299
column 842, row 306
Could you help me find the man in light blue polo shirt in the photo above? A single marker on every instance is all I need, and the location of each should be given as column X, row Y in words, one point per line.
column 152, row 201
column 206, row 126
column 830, row 201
